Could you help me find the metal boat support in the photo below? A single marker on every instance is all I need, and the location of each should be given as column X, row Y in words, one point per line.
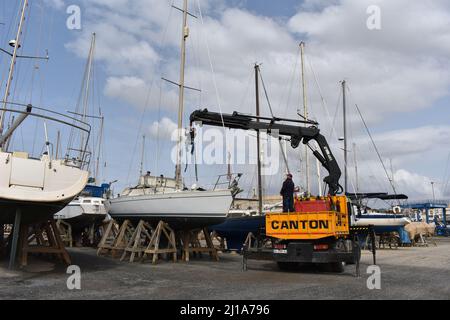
column 15, row 239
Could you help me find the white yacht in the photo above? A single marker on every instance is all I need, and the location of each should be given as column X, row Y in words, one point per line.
column 160, row 198
column 83, row 212
column 33, row 188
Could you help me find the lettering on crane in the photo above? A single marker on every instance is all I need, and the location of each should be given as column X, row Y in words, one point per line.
column 301, row 224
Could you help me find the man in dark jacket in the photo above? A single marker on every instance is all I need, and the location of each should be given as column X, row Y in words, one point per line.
column 287, row 191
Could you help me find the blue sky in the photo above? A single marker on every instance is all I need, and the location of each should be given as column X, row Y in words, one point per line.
column 399, row 83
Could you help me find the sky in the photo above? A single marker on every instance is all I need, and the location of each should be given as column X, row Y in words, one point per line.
column 397, row 74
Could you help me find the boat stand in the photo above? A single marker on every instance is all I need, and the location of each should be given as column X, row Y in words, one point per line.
column 221, row 240
column 15, row 239
column 154, row 248
column 89, row 238
column 137, row 244
column 65, row 230
column 192, row 244
column 2, row 239
column 41, row 238
column 115, row 240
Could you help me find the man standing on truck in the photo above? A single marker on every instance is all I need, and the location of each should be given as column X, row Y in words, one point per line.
column 287, row 191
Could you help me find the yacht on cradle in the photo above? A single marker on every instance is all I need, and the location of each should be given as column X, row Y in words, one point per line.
column 382, row 222
column 88, row 209
column 157, row 198
column 33, row 188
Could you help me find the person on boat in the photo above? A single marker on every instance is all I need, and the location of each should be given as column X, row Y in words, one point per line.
column 287, row 191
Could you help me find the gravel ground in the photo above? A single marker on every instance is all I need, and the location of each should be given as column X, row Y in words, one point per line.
column 406, row 273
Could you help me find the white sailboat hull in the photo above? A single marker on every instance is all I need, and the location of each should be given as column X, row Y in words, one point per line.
column 83, row 212
column 38, row 187
column 381, row 222
column 181, row 209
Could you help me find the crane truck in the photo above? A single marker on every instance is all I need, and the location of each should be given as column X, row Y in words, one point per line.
column 319, row 231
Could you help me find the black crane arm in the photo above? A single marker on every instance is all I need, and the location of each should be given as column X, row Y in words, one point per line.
column 297, row 134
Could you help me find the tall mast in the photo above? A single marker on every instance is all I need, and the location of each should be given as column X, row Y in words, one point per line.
column 356, row 167
column 87, row 89
column 344, row 105
column 184, row 36
column 258, row 143
column 12, row 65
column 305, row 115
column 141, row 170
column 319, row 178
column 100, row 141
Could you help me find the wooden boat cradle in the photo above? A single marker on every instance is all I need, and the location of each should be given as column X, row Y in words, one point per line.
column 144, row 241
column 41, row 238
column 65, row 231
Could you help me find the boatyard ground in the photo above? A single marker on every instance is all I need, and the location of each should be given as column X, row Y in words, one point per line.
column 406, row 273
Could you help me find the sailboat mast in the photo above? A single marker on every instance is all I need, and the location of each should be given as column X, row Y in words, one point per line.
column 87, row 90
column 12, row 65
column 258, row 142
column 344, row 106
column 305, row 115
column 356, row 167
column 184, row 36
column 141, row 170
column 100, row 141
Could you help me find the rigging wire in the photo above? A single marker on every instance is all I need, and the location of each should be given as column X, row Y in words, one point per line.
column 446, row 175
column 216, row 88
column 376, row 148
column 289, row 93
column 271, row 112
column 147, row 100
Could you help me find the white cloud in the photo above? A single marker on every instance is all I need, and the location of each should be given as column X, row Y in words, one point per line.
column 163, row 129
column 390, row 69
column 139, row 93
column 58, row 4
column 401, row 68
column 417, row 186
column 407, row 142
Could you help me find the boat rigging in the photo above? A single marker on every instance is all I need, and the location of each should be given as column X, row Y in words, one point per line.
column 273, row 126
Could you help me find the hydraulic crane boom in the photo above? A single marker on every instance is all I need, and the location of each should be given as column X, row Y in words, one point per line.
column 296, row 133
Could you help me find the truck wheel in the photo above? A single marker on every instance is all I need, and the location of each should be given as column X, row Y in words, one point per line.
column 337, row 267
column 288, row 266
